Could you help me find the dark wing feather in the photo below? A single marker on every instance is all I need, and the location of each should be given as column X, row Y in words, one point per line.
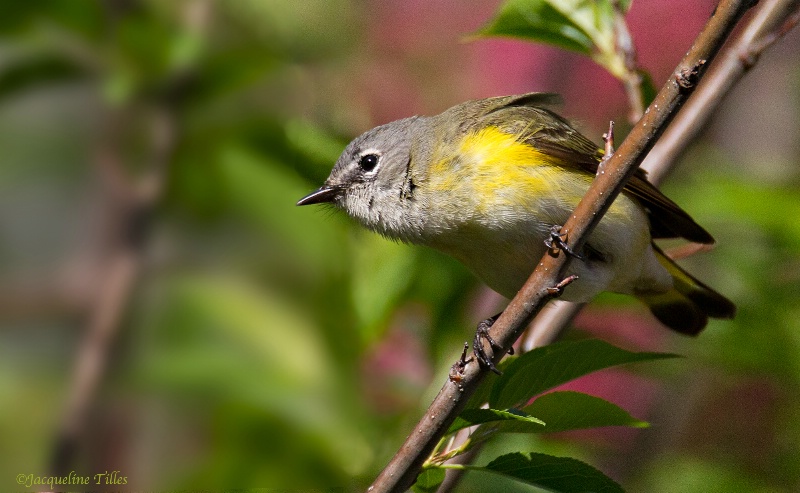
column 553, row 135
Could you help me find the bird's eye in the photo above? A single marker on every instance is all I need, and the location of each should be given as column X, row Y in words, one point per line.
column 367, row 162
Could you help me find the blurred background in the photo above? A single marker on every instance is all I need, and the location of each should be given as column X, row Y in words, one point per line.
column 168, row 313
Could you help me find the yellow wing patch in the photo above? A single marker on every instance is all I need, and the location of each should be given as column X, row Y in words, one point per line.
column 493, row 167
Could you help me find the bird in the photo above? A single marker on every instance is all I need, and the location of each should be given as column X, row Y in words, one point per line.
column 489, row 181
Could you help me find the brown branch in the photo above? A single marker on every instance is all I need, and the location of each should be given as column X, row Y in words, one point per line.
column 403, row 469
column 129, row 213
column 131, row 205
column 770, row 20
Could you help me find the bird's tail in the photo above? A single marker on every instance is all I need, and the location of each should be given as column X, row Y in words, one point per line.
column 686, row 307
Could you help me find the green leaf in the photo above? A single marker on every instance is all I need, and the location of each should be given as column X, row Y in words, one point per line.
column 577, row 25
column 538, row 20
column 262, row 188
column 36, row 71
column 560, row 474
column 429, row 480
column 563, row 411
column 471, row 417
column 236, row 343
column 313, row 143
column 647, row 88
column 382, row 270
column 624, row 5
column 549, row 366
column 484, row 390
column 85, row 19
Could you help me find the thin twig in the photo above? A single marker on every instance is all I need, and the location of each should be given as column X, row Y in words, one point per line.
column 633, row 78
column 402, row 470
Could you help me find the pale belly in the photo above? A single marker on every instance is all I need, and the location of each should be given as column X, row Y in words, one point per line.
column 504, row 250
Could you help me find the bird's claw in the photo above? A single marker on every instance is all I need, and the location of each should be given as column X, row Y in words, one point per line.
column 558, row 241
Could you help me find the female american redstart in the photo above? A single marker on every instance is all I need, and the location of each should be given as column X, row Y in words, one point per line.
column 486, row 181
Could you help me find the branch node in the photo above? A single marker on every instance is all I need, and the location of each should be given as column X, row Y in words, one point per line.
column 457, row 370
column 558, row 289
column 687, row 77
column 608, row 138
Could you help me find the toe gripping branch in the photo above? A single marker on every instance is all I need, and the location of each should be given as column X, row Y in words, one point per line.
column 558, row 241
column 482, row 334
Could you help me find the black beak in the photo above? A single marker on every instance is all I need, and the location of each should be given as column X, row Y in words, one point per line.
column 322, row 195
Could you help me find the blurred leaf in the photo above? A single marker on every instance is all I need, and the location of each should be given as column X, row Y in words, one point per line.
column 228, row 69
column 296, row 30
column 560, row 474
column 648, row 88
column 85, row 18
column 35, row 71
column 549, row 366
column 185, row 50
column 264, row 190
column 587, row 27
column 564, row 411
column 733, row 200
column 314, row 143
column 471, row 417
column 704, row 473
column 382, row 270
column 119, row 87
column 429, row 480
column 248, row 319
column 143, row 45
column 224, row 338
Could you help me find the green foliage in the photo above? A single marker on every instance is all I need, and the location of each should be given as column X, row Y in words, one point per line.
column 429, row 480
column 564, row 411
column 546, row 367
column 253, row 349
column 37, row 71
column 472, row 417
column 527, row 376
column 560, row 474
column 576, row 25
column 592, row 28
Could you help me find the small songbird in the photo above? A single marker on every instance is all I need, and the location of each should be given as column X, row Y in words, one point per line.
column 487, row 180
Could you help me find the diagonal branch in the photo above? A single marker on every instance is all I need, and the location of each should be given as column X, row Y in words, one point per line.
column 770, row 20
column 403, row 469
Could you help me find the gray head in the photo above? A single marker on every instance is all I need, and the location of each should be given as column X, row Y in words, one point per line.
column 372, row 180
